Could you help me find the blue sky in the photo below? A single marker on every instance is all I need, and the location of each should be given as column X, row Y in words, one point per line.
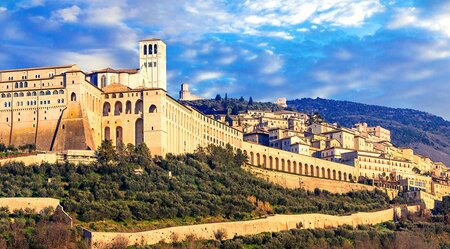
column 392, row 53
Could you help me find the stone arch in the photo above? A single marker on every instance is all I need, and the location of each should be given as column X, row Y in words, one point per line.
column 128, row 107
column 345, row 177
column 334, row 174
column 258, row 160
column 317, row 171
column 119, row 135
column 339, row 176
column 107, row 133
column 323, row 172
column 300, row 168
column 282, row 164
column 73, row 97
column 276, row 163
column 138, row 107
column 152, row 109
column 252, row 162
column 350, row 178
column 270, row 162
column 306, row 169
column 117, row 108
column 106, row 108
column 311, row 172
column 264, row 161
column 294, row 167
column 139, row 131
column 289, row 166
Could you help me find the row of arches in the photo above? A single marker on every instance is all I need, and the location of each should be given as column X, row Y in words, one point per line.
column 118, row 108
column 118, row 133
column 33, row 93
column 297, row 168
column 150, row 50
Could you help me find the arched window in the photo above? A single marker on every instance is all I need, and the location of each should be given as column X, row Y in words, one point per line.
column 152, row 109
column 73, row 97
column 21, row 84
column 103, row 81
column 21, row 94
column 16, row 85
column 138, row 107
column 28, row 94
column 3, row 95
column 118, row 108
column 156, row 49
column 26, row 83
column 8, row 95
column 107, row 133
column 55, row 92
column 34, row 94
column 145, row 49
column 106, row 109
column 16, row 95
column 48, row 92
column 128, row 107
column 139, row 131
column 150, row 49
column 61, row 91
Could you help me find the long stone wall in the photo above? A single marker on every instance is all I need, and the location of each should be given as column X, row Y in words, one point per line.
column 294, row 181
column 32, row 159
column 274, row 223
column 37, row 204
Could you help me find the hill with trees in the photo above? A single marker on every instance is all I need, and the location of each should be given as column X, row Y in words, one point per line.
column 129, row 190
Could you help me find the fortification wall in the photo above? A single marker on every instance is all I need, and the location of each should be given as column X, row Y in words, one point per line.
column 271, row 224
column 293, row 181
column 37, row 204
column 33, row 159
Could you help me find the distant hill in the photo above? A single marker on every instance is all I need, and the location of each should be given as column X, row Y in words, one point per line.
column 427, row 134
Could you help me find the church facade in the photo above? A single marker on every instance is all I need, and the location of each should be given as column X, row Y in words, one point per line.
column 63, row 108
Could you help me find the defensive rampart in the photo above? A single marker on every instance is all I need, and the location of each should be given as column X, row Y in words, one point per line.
column 274, row 223
column 36, row 204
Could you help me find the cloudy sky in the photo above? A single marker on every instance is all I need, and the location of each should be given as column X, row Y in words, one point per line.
column 393, row 53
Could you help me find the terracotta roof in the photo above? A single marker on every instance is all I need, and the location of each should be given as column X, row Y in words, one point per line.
column 115, row 87
column 37, row 68
column 111, row 70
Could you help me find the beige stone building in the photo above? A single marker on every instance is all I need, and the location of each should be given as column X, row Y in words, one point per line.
column 62, row 108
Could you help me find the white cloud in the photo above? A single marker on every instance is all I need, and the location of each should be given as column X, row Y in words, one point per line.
column 3, row 9
column 89, row 60
column 26, row 4
column 227, row 60
column 435, row 20
column 302, row 30
column 203, row 76
column 67, row 14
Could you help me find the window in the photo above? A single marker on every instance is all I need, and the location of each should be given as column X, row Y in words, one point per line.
column 154, row 64
column 156, row 49
column 73, row 97
column 145, row 49
column 150, row 49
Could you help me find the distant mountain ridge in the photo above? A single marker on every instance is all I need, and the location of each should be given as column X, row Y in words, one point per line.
column 427, row 134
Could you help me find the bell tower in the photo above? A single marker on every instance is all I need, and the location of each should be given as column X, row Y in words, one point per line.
column 152, row 63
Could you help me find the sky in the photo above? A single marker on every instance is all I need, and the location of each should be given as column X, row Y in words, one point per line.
column 393, row 53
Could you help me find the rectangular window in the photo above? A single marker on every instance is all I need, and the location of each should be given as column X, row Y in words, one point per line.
column 154, row 64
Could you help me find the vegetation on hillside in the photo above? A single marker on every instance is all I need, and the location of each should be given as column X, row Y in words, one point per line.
column 47, row 230
column 412, row 232
column 127, row 186
column 231, row 106
column 11, row 150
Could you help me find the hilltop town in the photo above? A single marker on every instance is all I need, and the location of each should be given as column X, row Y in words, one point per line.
column 62, row 115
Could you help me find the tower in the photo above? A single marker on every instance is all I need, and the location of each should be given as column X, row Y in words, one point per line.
column 152, row 63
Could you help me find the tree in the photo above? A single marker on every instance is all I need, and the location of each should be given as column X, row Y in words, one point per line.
column 250, row 101
column 106, row 154
column 235, row 110
column 226, row 96
column 218, row 98
column 416, row 170
column 241, row 99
